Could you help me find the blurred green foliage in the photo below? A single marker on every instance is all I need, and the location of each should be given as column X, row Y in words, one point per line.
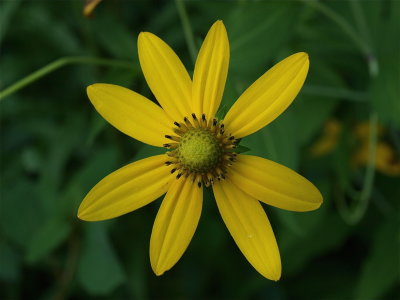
column 54, row 148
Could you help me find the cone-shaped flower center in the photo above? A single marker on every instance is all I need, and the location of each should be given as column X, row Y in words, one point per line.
column 199, row 150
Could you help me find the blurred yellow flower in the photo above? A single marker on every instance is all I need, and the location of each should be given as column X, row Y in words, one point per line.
column 362, row 130
column 386, row 161
column 89, row 7
column 201, row 151
column 328, row 140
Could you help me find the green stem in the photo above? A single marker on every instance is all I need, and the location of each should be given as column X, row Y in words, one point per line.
column 71, row 265
column 394, row 134
column 187, row 29
column 361, row 202
column 58, row 64
column 373, row 65
column 343, row 24
column 370, row 171
column 360, row 19
column 365, row 48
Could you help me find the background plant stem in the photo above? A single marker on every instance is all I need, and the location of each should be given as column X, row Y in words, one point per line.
column 187, row 29
column 58, row 64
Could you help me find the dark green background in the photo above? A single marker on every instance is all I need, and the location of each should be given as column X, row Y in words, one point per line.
column 55, row 147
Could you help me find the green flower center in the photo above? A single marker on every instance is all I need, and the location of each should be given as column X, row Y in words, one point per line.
column 199, row 150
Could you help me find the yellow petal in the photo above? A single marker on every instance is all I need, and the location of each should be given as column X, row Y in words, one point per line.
column 249, row 227
column 274, row 184
column 268, row 97
column 210, row 71
column 175, row 224
column 127, row 189
column 166, row 76
column 131, row 113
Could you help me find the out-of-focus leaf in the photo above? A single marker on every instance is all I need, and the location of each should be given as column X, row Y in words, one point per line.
column 114, row 37
column 10, row 263
column 123, row 77
column 301, row 224
column 136, row 280
column 37, row 19
column 329, row 235
column 289, row 220
column 7, row 10
column 256, row 32
column 97, row 124
column 21, row 212
column 166, row 27
column 314, row 227
column 383, row 30
column 312, row 110
column 380, row 270
column 99, row 271
column 277, row 142
column 47, row 238
column 242, row 149
column 99, row 164
column 60, row 151
column 147, row 151
column 385, row 91
column 232, row 91
column 32, row 160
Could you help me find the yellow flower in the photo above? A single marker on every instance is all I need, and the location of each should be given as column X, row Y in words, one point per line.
column 201, row 151
column 386, row 161
column 89, row 7
column 329, row 139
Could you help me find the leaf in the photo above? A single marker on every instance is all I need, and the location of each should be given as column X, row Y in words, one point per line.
column 312, row 112
column 297, row 250
column 318, row 231
column 257, row 32
column 385, row 91
column 96, row 126
column 99, row 271
column 241, row 149
column 47, row 238
column 138, row 284
column 10, row 263
column 301, row 224
column 99, row 163
column 380, row 270
column 8, row 9
column 59, row 41
column 147, row 151
column 311, row 109
column 21, row 212
column 114, row 37
column 277, row 141
column 61, row 149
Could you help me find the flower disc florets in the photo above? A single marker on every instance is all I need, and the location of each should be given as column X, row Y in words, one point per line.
column 201, row 149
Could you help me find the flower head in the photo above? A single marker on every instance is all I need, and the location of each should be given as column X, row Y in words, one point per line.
column 201, row 151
